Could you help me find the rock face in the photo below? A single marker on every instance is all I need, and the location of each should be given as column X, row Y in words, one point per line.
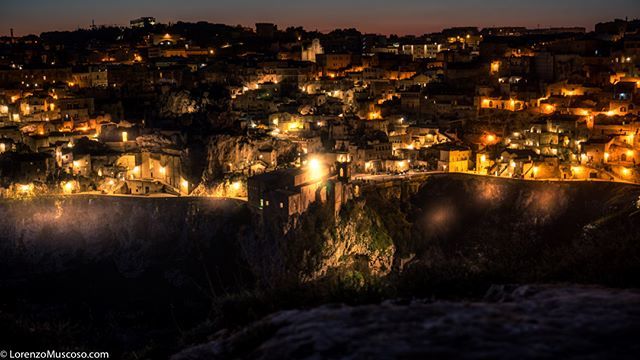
column 359, row 236
column 351, row 247
column 60, row 233
column 523, row 231
column 87, row 265
column 229, row 153
column 527, row 322
column 176, row 104
column 179, row 103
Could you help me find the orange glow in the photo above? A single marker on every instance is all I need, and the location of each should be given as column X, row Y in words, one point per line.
column 67, row 187
column 490, row 139
column 25, row 188
column 374, row 115
column 495, row 67
column 294, row 125
column 315, row 168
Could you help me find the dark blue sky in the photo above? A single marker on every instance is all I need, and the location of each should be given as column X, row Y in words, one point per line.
column 381, row 16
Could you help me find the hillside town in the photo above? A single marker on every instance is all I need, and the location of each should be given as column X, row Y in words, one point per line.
column 287, row 117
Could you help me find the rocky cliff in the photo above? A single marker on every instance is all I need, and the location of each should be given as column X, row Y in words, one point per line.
column 527, row 322
column 230, row 153
column 473, row 228
column 183, row 268
column 117, row 273
column 46, row 234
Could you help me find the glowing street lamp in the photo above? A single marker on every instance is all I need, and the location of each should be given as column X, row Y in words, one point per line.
column 67, row 187
column 25, row 188
column 314, row 167
column 490, row 139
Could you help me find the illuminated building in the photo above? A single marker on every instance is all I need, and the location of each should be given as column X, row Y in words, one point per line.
column 288, row 191
column 453, row 158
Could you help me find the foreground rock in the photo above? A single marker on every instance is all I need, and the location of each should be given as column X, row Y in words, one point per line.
column 517, row 323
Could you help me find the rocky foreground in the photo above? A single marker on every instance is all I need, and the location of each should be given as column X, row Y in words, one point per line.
column 522, row 322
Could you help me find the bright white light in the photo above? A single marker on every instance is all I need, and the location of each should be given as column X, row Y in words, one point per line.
column 315, row 168
column 25, row 188
column 68, row 187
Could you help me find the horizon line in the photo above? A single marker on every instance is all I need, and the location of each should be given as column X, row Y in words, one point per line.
column 323, row 31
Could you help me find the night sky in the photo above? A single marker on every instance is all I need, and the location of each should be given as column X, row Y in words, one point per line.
column 381, row 16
